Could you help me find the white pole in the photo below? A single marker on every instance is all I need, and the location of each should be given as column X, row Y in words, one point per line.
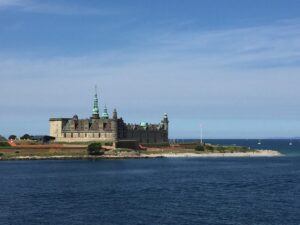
column 201, row 134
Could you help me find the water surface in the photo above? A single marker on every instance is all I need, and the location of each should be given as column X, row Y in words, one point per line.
column 151, row 191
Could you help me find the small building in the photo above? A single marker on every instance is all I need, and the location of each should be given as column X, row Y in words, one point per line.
column 107, row 129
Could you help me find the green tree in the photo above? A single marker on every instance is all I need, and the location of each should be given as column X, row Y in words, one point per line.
column 12, row 137
column 25, row 137
column 95, row 149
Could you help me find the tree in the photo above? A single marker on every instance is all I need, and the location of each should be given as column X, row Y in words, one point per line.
column 12, row 137
column 95, row 149
column 25, row 137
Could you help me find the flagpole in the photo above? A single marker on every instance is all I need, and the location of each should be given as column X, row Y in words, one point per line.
column 201, row 134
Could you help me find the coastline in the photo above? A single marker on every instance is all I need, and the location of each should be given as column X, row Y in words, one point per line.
column 258, row 153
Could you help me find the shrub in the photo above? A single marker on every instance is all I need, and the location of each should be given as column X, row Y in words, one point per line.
column 95, row 149
column 199, row 148
column 209, row 147
column 1, row 154
column 12, row 137
column 26, row 137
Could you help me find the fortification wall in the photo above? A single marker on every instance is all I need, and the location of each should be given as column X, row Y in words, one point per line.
column 62, row 139
column 147, row 136
column 55, row 129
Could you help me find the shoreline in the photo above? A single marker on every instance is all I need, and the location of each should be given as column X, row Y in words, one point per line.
column 258, row 153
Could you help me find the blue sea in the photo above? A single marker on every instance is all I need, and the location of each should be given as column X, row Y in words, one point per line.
column 218, row 191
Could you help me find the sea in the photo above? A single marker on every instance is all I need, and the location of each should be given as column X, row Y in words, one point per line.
column 216, row 191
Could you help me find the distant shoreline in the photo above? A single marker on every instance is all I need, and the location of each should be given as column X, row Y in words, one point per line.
column 258, row 153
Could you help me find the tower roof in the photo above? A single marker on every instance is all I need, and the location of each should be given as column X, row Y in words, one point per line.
column 95, row 107
column 105, row 113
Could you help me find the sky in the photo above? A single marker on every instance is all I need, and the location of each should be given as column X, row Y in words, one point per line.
column 231, row 65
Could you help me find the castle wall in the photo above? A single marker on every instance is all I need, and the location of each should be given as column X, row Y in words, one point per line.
column 55, row 128
column 147, row 136
column 85, row 137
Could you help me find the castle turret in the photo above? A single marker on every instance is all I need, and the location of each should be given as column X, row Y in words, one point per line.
column 105, row 113
column 165, row 123
column 96, row 107
column 115, row 115
column 114, row 126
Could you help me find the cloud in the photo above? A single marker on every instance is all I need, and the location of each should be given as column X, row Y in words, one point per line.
column 274, row 46
column 269, row 45
column 241, row 74
column 44, row 7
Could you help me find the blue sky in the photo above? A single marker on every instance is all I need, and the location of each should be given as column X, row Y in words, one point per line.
column 231, row 65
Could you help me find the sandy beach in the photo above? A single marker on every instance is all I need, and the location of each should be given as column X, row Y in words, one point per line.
column 259, row 153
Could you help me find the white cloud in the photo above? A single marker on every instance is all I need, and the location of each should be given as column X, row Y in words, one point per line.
column 48, row 7
column 237, row 74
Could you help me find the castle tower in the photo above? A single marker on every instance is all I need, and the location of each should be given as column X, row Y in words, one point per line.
column 95, row 107
column 105, row 113
column 115, row 115
column 114, row 126
column 165, row 122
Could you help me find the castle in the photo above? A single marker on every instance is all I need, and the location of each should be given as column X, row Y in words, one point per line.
column 107, row 129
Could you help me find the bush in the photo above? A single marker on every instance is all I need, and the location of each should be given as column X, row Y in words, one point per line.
column 12, row 137
column 199, row 148
column 26, row 137
column 95, row 149
column 209, row 147
column 1, row 154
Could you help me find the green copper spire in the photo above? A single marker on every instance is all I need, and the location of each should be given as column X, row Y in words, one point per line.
column 105, row 113
column 96, row 107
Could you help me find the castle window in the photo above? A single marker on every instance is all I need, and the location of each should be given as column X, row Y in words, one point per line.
column 85, row 134
column 71, row 135
column 65, row 135
column 104, row 126
column 99, row 134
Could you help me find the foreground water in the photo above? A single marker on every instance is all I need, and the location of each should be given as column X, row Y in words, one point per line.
column 151, row 191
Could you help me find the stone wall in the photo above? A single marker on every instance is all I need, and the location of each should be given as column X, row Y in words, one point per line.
column 55, row 128
column 85, row 137
column 147, row 136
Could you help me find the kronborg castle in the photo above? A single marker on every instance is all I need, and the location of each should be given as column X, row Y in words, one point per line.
column 107, row 129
